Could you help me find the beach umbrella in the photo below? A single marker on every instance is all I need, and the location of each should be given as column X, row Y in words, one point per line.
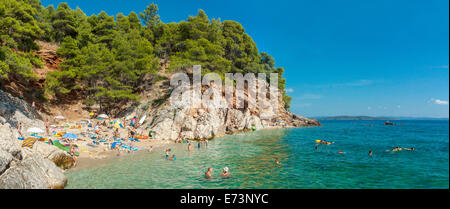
column 103, row 116
column 143, row 119
column 70, row 136
column 35, row 130
column 60, row 117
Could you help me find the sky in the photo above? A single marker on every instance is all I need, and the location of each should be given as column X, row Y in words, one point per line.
column 349, row 57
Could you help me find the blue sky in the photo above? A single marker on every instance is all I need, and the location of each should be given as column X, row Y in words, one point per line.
column 376, row 58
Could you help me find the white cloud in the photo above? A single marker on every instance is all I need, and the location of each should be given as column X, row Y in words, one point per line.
column 440, row 102
column 398, row 106
column 289, row 90
column 369, row 108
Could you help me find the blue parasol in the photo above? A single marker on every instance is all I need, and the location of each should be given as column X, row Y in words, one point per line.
column 70, row 136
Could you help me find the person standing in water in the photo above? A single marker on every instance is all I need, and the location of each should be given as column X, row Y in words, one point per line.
column 189, row 147
column 370, row 153
column 208, row 173
column 199, row 145
column 167, row 153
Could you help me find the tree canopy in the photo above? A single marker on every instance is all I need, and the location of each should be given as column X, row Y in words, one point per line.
column 106, row 57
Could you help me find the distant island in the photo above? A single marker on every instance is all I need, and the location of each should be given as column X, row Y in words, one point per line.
column 386, row 118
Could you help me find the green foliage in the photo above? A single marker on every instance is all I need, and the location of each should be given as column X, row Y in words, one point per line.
column 150, row 16
column 18, row 26
column 106, row 57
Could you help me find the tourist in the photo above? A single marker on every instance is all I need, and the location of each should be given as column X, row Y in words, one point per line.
column 397, row 149
column 72, row 153
column 409, row 149
column 189, row 147
column 199, row 145
column 47, row 125
column 19, row 128
column 225, row 172
column 370, row 153
column 150, row 149
column 167, row 153
column 208, row 173
column 116, row 133
column 277, row 162
column 131, row 133
column 150, row 134
column 340, row 152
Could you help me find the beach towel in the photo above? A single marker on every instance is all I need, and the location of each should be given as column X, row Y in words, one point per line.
column 29, row 142
column 64, row 148
column 114, row 145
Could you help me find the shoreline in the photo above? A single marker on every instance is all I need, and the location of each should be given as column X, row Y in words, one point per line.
column 97, row 158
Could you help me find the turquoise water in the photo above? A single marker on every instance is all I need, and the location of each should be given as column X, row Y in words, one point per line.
column 250, row 158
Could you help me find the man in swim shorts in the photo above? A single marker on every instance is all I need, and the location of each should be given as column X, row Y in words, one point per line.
column 208, row 173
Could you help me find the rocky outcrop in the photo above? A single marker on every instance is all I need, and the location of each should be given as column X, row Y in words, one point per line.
column 172, row 122
column 25, row 168
column 13, row 110
column 61, row 158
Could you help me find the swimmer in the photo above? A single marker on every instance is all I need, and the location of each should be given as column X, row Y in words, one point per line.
column 370, row 153
column 410, row 149
column 199, row 145
column 317, row 147
column 277, row 162
column 397, row 149
column 340, row 152
column 225, row 172
column 208, row 173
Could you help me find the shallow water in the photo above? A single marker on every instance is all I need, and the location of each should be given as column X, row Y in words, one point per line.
column 250, row 158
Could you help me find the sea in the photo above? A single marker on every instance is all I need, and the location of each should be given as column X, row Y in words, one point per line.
column 251, row 158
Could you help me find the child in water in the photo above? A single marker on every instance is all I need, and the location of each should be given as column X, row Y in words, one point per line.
column 173, row 157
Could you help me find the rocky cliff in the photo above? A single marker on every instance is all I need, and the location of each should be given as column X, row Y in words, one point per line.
column 25, row 168
column 171, row 122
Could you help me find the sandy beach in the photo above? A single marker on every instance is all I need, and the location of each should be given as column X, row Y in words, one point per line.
column 102, row 154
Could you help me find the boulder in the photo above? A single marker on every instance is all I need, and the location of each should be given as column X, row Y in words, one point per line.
column 33, row 172
column 61, row 158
